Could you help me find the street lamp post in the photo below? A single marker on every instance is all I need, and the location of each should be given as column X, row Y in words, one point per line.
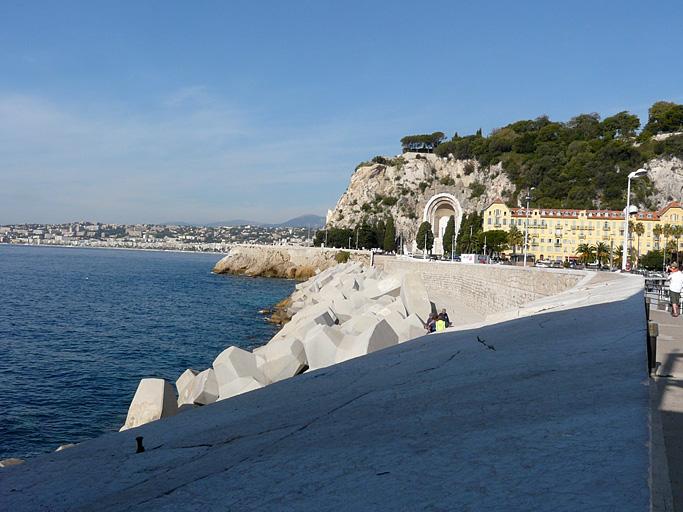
column 635, row 174
column 526, row 224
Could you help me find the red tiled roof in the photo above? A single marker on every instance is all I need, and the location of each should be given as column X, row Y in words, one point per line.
column 672, row 204
column 570, row 213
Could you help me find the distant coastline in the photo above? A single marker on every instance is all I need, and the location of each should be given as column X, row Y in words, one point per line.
column 148, row 249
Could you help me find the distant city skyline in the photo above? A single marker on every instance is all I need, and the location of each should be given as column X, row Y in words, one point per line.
column 171, row 111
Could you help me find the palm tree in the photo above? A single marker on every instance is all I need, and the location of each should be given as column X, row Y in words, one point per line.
column 639, row 230
column 677, row 232
column 586, row 252
column 515, row 238
column 602, row 252
column 657, row 232
column 666, row 231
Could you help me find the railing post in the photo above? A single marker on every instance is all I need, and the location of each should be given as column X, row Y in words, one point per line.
column 652, row 333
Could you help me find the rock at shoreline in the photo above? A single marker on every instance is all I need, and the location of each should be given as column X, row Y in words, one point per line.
column 281, row 261
column 154, row 399
column 6, row 463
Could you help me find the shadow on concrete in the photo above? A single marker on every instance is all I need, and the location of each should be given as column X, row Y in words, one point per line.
column 667, row 434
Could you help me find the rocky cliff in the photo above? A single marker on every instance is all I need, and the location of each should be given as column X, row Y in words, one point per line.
column 667, row 176
column 401, row 186
column 282, row 261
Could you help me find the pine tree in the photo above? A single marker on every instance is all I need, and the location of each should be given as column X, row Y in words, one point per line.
column 425, row 236
column 389, row 236
column 448, row 236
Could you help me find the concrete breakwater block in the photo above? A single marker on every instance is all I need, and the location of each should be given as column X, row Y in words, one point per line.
column 375, row 289
column 281, row 358
column 236, row 372
column 359, row 323
column 410, row 328
column 184, row 381
column 320, row 345
column 238, row 386
column 154, row 399
column 203, row 389
column 415, row 297
column 376, row 337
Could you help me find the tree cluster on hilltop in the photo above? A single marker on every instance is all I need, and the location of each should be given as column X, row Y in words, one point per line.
column 581, row 163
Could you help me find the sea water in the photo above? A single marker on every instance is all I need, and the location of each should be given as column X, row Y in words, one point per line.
column 80, row 327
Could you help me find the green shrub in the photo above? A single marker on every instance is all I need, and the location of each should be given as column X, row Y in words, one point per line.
column 389, row 201
column 342, row 256
column 477, row 189
column 423, row 186
column 447, row 180
column 469, row 168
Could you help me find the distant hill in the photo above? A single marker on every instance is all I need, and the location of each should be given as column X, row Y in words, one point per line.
column 235, row 222
column 303, row 221
column 178, row 223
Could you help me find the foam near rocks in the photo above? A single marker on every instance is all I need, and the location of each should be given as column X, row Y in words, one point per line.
column 343, row 312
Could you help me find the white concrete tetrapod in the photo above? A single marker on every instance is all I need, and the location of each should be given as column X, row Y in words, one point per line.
column 377, row 337
column 154, row 399
column 233, row 364
column 321, row 345
column 184, row 381
column 414, row 296
column 204, row 388
column 238, row 386
column 411, row 328
column 360, row 323
column 281, row 368
column 343, row 309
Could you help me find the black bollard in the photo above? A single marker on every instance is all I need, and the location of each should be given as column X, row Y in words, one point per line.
column 140, row 447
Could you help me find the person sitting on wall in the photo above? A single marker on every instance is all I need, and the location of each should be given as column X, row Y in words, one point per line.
column 431, row 323
column 440, row 323
column 445, row 317
column 675, row 286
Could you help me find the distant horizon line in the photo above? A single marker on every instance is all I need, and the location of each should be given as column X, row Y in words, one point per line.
column 229, row 222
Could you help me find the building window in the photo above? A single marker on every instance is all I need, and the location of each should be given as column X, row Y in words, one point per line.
column 489, row 220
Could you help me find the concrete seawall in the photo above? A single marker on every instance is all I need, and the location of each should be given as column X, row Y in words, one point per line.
column 485, row 289
column 292, row 262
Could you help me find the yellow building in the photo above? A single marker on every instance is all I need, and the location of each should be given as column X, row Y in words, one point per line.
column 556, row 233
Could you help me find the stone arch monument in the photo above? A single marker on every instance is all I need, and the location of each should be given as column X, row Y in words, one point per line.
column 438, row 210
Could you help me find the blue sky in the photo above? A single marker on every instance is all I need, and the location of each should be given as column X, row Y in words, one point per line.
column 206, row 111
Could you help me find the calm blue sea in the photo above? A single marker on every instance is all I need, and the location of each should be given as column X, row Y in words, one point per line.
column 80, row 327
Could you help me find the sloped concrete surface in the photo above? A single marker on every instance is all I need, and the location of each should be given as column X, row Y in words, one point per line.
column 545, row 412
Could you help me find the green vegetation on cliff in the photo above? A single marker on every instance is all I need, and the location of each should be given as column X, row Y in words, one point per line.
column 581, row 163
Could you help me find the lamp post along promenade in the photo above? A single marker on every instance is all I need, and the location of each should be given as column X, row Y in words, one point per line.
column 627, row 211
column 526, row 224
